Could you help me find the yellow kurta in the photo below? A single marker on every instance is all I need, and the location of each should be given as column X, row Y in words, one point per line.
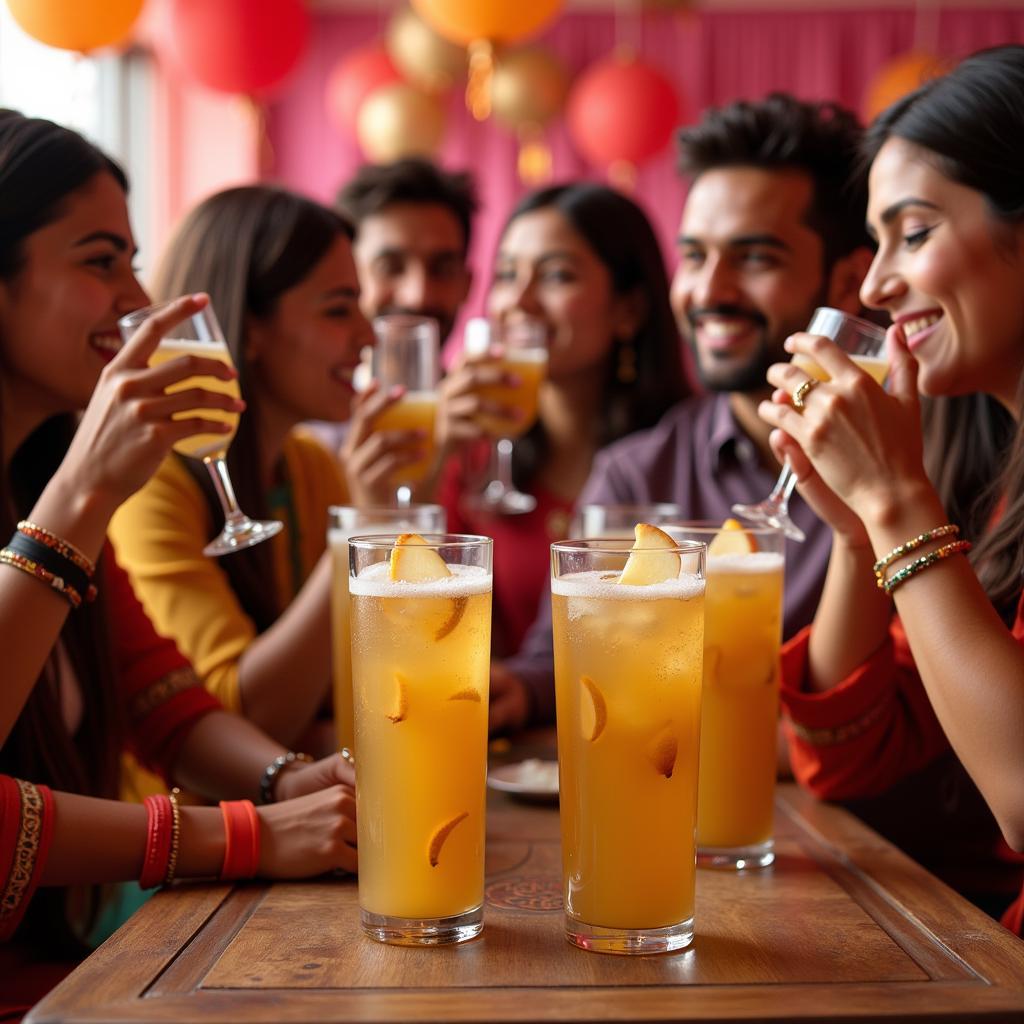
column 159, row 535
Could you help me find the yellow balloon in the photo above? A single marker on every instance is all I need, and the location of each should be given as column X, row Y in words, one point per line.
column 423, row 57
column 397, row 121
column 501, row 21
column 81, row 25
column 528, row 87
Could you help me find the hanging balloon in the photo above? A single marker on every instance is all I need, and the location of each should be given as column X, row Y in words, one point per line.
column 355, row 77
column 238, row 45
column 424, row 58
column 898, row 78
column 528, row 87
column 81, row 25
column 480, row 25
column 621, row 112
column 398, row 120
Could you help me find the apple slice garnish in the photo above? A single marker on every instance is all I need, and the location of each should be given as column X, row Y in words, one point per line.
column 414, row 561
column 400, row 707
column 437, row 840
column 468, row 693
column 593, row 709
column 653, row 558
column 732, row 539
column 662, row 751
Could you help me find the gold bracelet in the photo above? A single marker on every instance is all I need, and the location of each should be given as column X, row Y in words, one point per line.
column 910, row 545
column 172, row 860
column 922, row 563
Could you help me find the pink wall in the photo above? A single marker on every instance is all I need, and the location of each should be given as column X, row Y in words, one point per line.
column 713, row 58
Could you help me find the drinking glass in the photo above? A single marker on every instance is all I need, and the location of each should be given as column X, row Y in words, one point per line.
column 406, row 354
column 620, row 520
column 342, row 522
column 524, row 353
column 864, row 342
column 420, row 673
column 627, row 690
column 201, row 335
column 740, row 703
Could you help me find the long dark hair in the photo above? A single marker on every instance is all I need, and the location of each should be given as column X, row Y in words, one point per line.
column 246, row 247
column 971, row 122
column 41, row 164
column 621, row 237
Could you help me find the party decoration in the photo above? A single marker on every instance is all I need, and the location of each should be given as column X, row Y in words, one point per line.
column 354, row 77
column 246, row 46
column 480, row 24
column 900, row 77
column 527, row 90
column 81, row 25
column 423, row 57
column 398, row 120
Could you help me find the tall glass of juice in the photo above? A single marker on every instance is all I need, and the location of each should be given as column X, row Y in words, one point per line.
column 628, row 632
column 421, row 634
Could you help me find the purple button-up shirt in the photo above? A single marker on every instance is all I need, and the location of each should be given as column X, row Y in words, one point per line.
column 699, row 458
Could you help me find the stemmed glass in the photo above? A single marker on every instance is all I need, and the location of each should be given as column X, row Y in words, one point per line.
column 523, row 352
column 201, row 335
column 406, row 355
column 864, row 342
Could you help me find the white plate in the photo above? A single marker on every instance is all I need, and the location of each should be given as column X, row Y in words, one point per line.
column 532, row 779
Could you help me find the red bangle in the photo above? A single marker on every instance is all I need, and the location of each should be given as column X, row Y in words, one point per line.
column 241, row 839
column 159, row 832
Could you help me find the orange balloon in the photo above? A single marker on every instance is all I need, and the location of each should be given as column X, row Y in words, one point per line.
column 899, row 77
column 500, row 21
column 81, row 25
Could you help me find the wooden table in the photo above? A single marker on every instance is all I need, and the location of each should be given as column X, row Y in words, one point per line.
column 842, row 928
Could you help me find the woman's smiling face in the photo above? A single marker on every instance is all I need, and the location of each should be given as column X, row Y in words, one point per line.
column 949, row 273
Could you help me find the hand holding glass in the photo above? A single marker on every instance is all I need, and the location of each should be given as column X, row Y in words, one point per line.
column 864, row 342
column 201, row 335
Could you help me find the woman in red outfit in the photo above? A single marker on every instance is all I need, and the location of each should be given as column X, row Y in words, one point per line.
column 582, row 260
column 84, row 679
column 919, row 641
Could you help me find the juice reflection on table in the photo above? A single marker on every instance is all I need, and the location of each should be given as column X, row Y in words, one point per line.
column 628, row 690
column 420, row 671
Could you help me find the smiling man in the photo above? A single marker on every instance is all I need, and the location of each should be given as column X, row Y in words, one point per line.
column 773, row 226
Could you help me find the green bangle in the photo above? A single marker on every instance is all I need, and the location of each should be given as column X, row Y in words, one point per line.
column 922, row 563
column 910, row 545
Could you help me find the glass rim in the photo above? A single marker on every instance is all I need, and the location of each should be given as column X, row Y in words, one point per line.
column 385, row 509
column 617, row 545
column 857, row 321
column 710, row 527
column 658, row 507
column 143, row 313
column 407, row 320
column 386, row 541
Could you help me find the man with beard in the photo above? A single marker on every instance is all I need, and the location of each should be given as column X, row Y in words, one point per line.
column 412, row 223
column 773, row 227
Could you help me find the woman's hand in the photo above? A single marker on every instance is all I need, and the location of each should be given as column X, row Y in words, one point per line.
column 127, row 429
column 461, row 404
column 309, row 835
column 863, row 443
column 300, row 779
column 371, row 457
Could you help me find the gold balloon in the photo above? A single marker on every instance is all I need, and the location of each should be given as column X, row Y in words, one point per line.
column 398, row 120
column 528, row 87
column 424, row 58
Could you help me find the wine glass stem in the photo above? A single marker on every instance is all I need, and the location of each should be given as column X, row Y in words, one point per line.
column 218, row 468
column 783, row 488
column 503, row 454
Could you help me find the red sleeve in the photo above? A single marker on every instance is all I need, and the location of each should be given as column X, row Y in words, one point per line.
column 26, row 828
column 158, row 686
column 866, row 734
column 454, row 481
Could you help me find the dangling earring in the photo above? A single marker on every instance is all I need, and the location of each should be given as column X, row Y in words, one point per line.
column 625, row 369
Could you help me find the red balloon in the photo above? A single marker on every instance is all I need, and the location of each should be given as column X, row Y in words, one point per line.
column 353, row 78
column 246, row 46
column 621, row 110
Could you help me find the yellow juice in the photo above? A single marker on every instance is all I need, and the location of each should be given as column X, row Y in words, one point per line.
column 420, row 672
column 876, row 366
column 341, row 648
column 628, row 692
column 201, row 446
column 742, row 635
column 530, row 365
column 416, row 410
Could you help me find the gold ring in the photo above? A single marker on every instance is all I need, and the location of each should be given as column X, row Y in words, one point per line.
column 348, row 756
column 803, row 391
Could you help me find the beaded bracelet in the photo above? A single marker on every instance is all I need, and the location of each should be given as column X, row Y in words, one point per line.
column 61, row 546
column 911, row 545
column 27, row 565
column 172, row 860
column 271, row 772
column 922, row 563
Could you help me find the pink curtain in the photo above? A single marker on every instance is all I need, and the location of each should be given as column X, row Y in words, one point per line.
column 713, row 57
